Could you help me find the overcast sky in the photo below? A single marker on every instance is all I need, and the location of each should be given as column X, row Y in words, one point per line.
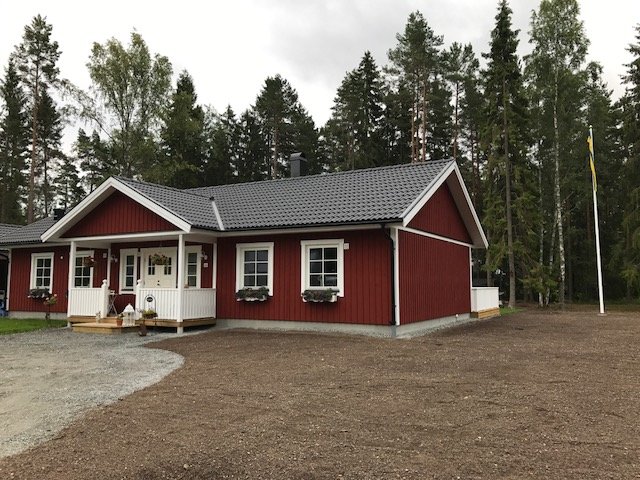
column 231, row 47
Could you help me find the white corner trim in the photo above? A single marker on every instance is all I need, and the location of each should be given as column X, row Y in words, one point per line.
column 305, row 245
column 101, row 193
column 434, row 236
column 396, row 272
column 413, row 209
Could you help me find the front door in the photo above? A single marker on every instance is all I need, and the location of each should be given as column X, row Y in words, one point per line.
column 160, row 275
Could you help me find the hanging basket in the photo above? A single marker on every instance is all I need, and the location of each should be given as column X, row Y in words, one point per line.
column 88, row 262
column 159, row 259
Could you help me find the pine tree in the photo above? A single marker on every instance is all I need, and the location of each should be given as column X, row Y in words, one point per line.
column 36, row 59
column 416, row 64
column 183, row 137
column 253, row 154
column 68, row 187
column 14, row 147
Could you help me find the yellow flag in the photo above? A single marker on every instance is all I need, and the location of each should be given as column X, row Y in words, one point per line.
column 592, row 163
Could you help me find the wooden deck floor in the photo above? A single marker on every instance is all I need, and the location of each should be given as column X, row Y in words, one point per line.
column 109, row 325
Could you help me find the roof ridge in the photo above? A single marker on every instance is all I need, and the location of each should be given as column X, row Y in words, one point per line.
column 324, row 175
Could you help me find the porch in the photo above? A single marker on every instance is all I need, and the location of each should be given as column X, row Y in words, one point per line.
column 168, row 281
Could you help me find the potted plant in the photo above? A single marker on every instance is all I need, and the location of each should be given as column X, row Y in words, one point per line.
column 88, row 262
column 325, row 295
column 250, row 294
column 159, row 259
column 148, row 313
column 119, row 319
column 38, row 293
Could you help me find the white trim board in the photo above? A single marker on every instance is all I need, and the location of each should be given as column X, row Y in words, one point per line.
column 434, row 236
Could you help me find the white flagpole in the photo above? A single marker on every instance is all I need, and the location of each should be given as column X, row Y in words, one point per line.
column 597, row 225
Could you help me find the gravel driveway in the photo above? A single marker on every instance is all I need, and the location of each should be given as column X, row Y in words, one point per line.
column 49, row 377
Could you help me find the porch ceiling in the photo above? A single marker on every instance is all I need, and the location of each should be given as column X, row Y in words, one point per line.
column 106, row 241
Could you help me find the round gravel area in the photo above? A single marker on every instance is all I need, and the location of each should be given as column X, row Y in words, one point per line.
column 48, row 378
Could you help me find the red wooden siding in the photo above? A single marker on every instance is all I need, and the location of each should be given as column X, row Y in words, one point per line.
column 434, row 278
column 367, row 284
column 440, row 215
column 116, row 215
column 21, row 279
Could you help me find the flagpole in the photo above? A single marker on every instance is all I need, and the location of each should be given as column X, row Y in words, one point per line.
column 597, row 225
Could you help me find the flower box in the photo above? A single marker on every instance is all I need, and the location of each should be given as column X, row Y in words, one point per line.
column 38, row 293
column 249, row 294
column 327, row 295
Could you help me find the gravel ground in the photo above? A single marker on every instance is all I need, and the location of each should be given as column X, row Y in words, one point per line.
column 537, row 394
column 49, row 377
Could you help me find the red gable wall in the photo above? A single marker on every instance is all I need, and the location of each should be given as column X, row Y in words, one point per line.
column 118, row 214
column 440, row 215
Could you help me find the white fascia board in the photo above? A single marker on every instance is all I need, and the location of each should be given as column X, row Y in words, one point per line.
column 101, row 193
column 477, row 226
column 413, row 209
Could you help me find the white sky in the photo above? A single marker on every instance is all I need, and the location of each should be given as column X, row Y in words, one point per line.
column 230, row 47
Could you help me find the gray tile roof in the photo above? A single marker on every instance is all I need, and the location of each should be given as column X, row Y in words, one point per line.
column 357, row 196
column 28, row 234
column 191, row 207
column 354, row 197
column 7, row 227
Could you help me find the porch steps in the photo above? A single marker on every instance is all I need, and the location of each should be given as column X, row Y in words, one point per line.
column 489, row 313
column 106, row 326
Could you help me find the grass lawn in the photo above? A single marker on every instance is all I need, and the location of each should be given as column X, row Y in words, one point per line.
column 18, row 325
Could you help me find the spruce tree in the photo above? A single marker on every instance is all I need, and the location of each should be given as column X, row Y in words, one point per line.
column 14, row 147
column 94, row 159
column 505, row 141
column 183, row 137
column 253, row 161
column 50, row 155
column 221, row 147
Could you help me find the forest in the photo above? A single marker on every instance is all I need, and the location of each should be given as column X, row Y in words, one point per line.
column 517, row 128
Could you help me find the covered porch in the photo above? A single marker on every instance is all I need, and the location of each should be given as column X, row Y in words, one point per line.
column 168, row 278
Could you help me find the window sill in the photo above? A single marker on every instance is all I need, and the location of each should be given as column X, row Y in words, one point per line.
column 253, row 299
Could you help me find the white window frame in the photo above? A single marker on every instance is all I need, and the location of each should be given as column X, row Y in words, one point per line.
column 197, row 249
column 123, row 265
column 34, row 257
column 83, row 254
column 305, row 246
column 240, row 249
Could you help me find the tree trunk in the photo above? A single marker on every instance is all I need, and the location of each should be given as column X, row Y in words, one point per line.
column 541, row 232
column 274, row 162
column 424, row 121
column 512, row 263
column 34, row 145
column 558, row 200
column 455, row 123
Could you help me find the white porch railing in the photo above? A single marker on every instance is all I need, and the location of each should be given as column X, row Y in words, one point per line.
column 197, row 302
column 88, row 302
column 484, row 298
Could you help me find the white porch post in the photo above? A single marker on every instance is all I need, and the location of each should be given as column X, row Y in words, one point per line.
column 72, row 272
column 104, row 300
column 180, row 282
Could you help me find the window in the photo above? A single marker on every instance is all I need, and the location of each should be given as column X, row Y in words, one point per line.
column 82, row 274
column 254, row 265
column 322, row 265
column 128, row 269
column 42, row 270
column 192, row 266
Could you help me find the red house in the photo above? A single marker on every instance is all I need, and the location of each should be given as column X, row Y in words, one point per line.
column 384, row 251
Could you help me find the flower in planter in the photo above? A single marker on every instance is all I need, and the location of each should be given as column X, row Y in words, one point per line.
column 38, row 293
column 159, row 259
column 252, row 294
column 148, row 313
column 88, row 262
column 322, row 295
